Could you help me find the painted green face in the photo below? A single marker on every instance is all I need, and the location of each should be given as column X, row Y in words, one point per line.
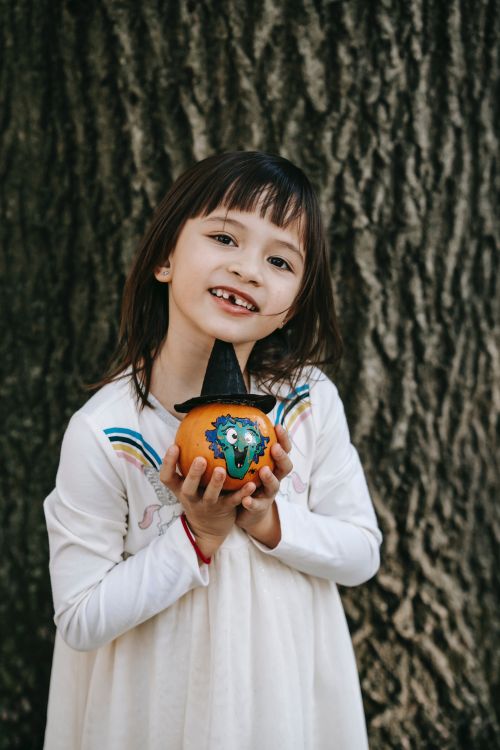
column 238, row 440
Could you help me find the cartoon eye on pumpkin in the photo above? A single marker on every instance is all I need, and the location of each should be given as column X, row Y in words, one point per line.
column 250, row 438
column 231, row 436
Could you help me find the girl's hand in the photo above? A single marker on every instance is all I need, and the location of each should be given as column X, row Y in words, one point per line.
column 258, row 515
column 210, row 515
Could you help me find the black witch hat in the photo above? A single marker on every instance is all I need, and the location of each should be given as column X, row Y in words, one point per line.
column 224, row 383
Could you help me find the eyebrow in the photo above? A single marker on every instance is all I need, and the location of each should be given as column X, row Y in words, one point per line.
column 240, row 225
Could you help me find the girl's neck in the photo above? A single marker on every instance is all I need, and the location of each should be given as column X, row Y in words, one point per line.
column 179, row 369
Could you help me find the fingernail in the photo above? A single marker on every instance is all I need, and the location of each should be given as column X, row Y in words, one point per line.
column 171, row 450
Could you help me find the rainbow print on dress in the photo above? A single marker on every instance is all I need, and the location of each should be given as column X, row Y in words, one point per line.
column 294, row 409
column 131, row 446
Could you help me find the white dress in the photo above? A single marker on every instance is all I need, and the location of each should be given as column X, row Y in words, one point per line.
column 155, row 650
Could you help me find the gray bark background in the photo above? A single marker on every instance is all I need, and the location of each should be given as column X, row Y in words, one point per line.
column 392, row 109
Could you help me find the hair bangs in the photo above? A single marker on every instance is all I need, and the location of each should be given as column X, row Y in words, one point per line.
column 275, row 188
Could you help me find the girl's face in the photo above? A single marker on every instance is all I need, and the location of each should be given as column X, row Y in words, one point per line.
column 234, row 276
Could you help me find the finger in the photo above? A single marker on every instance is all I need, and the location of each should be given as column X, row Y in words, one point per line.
column 257, row 504
column 283, row 438
column 237, row 497
column 270, row 483
column 214, row 487
column 283, row 464
column 192, row 481
column 168, row 473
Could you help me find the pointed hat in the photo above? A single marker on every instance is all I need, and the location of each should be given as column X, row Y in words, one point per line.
column 224, row 383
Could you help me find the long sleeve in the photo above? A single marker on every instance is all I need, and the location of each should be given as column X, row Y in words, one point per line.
column 334, row 536
column 97, row 594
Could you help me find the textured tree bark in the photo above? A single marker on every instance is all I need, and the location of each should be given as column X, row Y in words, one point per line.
column 391, row 110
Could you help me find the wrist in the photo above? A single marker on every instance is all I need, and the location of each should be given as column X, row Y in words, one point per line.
column 205, row 545
column 268, row 530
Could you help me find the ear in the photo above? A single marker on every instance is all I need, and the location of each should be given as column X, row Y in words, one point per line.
column 163, row 273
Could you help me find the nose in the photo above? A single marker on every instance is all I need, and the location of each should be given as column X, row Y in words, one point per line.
column 247, row 270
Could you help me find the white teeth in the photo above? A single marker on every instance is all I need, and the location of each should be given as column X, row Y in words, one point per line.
column 236, row 300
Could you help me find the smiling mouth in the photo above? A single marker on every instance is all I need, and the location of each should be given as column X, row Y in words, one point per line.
column 234, row 299
column 239, row 457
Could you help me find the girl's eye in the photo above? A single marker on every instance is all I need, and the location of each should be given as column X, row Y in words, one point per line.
column 224, row 239
column 280, row 263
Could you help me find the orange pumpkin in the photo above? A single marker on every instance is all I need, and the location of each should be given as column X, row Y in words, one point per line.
column 235, row 436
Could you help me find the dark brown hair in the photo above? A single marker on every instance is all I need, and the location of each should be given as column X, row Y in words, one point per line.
column 236, row 181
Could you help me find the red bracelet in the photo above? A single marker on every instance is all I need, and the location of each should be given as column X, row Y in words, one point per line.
column 206, row 560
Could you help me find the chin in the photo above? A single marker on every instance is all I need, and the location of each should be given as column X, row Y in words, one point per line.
column 230, row 333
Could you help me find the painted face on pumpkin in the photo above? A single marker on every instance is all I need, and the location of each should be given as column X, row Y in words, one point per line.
column 238, row 440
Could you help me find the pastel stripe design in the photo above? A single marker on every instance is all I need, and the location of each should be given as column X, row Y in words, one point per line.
column 295, row 408
column 129, row 443
column 299, row 414
column 134, row 461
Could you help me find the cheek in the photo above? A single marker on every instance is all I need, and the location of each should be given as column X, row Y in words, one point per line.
column 181, row 292
column 188, row 275
column 287, row 295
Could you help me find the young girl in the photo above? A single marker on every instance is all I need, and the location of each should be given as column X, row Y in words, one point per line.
column 226, row 632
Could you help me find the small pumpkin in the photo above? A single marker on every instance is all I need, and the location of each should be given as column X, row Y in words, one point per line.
column 237, row 437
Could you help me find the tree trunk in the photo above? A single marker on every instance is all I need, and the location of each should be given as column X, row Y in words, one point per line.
column 390, row 108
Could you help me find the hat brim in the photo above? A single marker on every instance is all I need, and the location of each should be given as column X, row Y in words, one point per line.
column 263, row 402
